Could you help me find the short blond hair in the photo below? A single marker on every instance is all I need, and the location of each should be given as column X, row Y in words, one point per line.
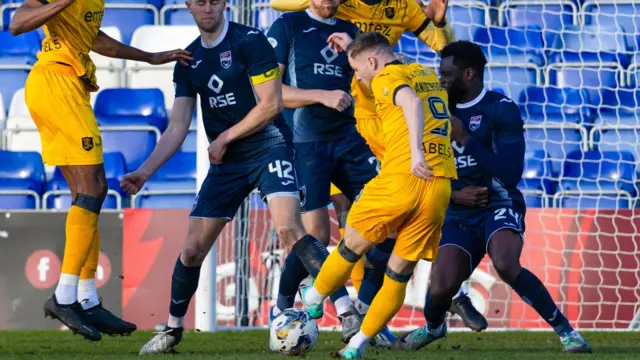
column 371, row 40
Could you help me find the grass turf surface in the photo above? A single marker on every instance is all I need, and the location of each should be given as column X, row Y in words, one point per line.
column 54, row 345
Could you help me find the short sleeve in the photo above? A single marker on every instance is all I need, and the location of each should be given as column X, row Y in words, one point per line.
column 415, row 20
column 182, row 82
column 260, row 58
column 279, row 36
column 386, row 85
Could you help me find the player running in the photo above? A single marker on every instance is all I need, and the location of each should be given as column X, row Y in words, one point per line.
column 57, row 95
column 327, row 145
column 235, row 72
column 411, row 193
column 486, row 214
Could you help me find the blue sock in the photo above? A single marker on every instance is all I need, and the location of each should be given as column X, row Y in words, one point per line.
column 371, row 283
column 184, row 284
column 292, row 274
column 434, row 313
column 534, row 293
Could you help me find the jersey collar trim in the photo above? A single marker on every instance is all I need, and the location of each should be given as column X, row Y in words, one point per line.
column 220, row 38
column 474, row 101
column 331, row 21
column 394, row 62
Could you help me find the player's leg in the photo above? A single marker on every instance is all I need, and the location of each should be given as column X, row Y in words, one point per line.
column 341, row 206
column 221, row 194
column 504, row 248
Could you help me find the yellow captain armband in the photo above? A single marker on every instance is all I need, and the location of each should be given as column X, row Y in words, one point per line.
column 266, row 76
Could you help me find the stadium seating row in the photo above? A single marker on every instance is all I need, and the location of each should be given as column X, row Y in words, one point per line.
column 585, row 57
column 23, row 184
column 604, row 179
column 465, row 15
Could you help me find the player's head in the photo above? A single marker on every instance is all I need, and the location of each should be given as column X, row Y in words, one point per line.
column 208, row 14
column 368, row 54
column 461, row 68
column 326, row 9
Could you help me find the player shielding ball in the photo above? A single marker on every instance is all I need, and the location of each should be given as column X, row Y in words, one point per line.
column 328, row 148
column 235, row 72
column 411, row 192
column 486, row 214
column 57, row 95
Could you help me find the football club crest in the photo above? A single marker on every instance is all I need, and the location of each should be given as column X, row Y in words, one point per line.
column 225, row 59
column 389, row 12
column 87, row 143
column 474, row 122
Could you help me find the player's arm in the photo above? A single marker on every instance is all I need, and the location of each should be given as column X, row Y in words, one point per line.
column 32, row 14
column 428, row 23
column 290, row 5
column 413, row 111
column 506, row 162
column 110, row 47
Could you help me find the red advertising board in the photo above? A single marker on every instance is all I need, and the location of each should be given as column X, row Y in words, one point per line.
column 589, row 260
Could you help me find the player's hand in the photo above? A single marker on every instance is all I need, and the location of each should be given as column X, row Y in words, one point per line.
column 459, row 132
column 435, row 10
column 471, row 196
column 217, row 149
column 170, row 56
column 133, row 182
column 420, row 168
column 337, row 99
column 339, row 41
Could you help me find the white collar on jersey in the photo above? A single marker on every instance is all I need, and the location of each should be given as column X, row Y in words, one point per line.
column 474, row 101
column 330, row 21
column 217, row 41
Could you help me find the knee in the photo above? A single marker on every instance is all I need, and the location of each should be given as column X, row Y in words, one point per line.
column 289, row 234
column 508, row 270
column 192, row 256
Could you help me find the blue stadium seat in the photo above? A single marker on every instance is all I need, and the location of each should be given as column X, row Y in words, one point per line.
column 172, row 186
column 555, row 121
column 512, row 45
column 597, row 179
column 513, row 78
column 416, row 50
column 467, row 16
column 633, row 75
column 536, row 183
column 58, row 195
column 551, row 15
column 131, row 121
column 22, row 180
column 615, row 13
column 128, row 15
column 17, row 56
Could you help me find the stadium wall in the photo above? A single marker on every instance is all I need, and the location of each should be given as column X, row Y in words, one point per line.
column 588, row 259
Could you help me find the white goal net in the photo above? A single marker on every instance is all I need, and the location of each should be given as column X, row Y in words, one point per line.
column 573, row 68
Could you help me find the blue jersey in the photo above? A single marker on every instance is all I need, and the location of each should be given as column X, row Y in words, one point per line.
column 300, row 42
column 494, row 156
column 223, row 74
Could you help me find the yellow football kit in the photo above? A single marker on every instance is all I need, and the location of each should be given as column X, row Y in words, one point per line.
column 396, row 199
column 57, row 89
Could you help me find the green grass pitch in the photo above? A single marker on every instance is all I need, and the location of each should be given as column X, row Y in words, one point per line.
column 249, row 345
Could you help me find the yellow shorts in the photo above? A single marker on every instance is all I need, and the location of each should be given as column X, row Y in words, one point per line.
column 371, row 131
column 414, row 207
column 60, row 106
column 334, row 190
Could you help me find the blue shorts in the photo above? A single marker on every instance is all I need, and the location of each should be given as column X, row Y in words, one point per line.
column 474, row 234
column 227, row 185
column 347, row 162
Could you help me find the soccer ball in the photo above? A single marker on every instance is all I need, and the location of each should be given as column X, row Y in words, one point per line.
column 293, row 333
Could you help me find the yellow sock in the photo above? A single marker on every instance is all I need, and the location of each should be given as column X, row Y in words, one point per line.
column 334, row 273
column 80, row 228
column 91, row 265
column 384, row 307
column 357, row 274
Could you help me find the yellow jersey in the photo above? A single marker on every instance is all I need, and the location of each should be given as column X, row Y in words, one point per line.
column 69, row 36
column 436, row 139
column 391, row 18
